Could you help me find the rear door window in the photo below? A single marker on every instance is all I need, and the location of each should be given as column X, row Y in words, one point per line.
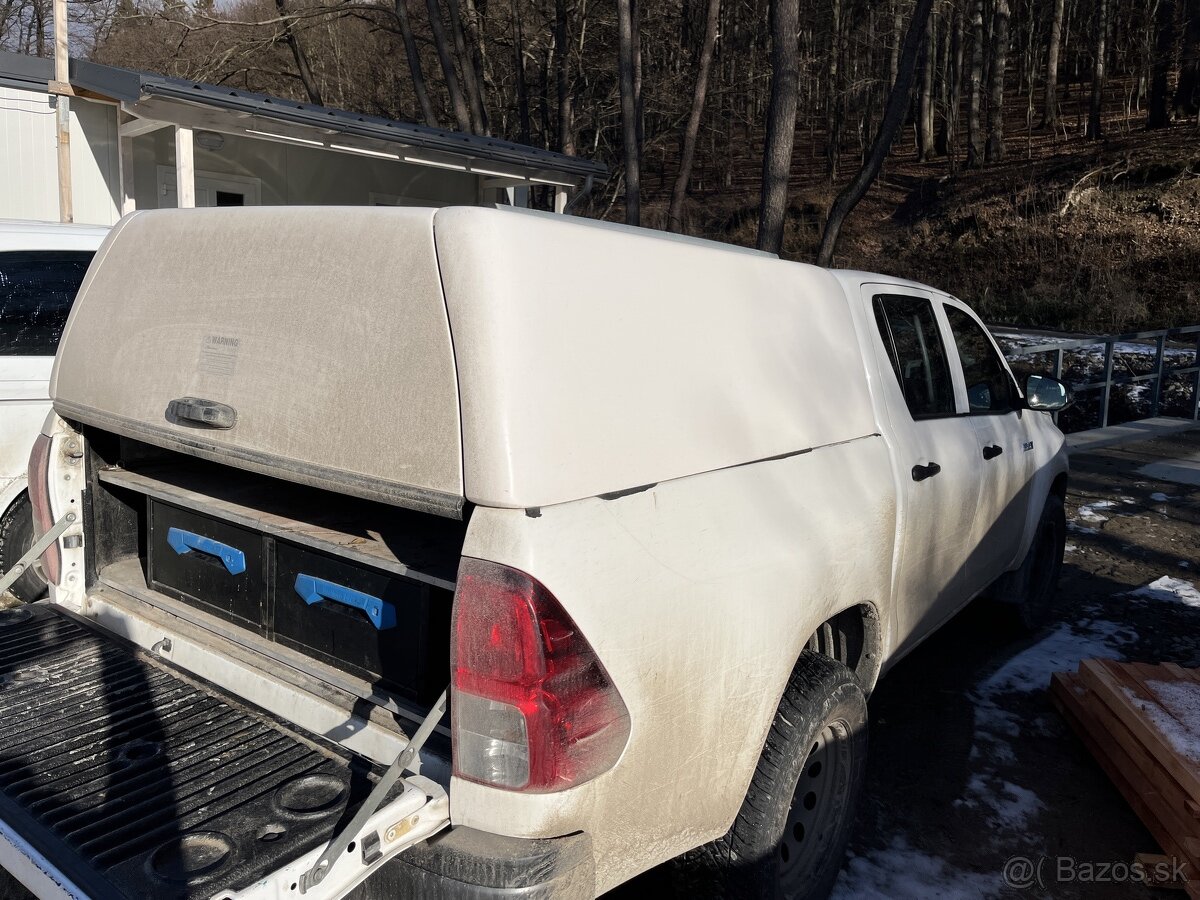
column 913, row 341
column 990, row 388
column 37, row 288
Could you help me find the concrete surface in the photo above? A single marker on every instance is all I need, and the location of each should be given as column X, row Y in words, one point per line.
column 1130, row 432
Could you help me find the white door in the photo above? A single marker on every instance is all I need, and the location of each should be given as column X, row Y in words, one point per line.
column 937, row 451
column 993, row 404
column 211, row 189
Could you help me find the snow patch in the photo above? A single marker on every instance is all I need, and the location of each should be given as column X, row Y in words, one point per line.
column 1012, row 805
column 1159, row 497
column 1178, row 718
column 1080, row 529
column 900, row 872
column 1170, row 590
column 1070, row 548
column 1030, row 670
column 1090, row 512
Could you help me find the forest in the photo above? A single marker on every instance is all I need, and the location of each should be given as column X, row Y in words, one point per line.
column 1040, row 158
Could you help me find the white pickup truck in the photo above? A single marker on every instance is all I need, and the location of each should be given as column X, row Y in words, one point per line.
column 659, row 511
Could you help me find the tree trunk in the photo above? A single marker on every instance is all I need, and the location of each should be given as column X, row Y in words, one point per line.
column 893, row 118
column 414, row 64
column 925, row 98
column 566, row 141
column 995, row 138
column 947, row 137
column 1094, row 126
column 687, row 151
column 894, row 56
column 462, row 115
column 833, row 94
column 1187, row 92
column 467, row 67
column 523, row 124
column 975, row 101
column 302, row 66
column 629, row 125
column 1158, row 116
column 781, row 123
column 1050, row 115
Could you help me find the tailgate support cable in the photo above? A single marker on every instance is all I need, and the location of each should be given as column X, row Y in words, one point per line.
column 342, row 839
column 39, row 547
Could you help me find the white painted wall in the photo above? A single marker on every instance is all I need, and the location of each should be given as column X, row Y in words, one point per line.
column 300, row 176
column 28, row 161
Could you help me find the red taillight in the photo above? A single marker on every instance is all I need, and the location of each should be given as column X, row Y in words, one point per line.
column 39, row 499
column 532, row 707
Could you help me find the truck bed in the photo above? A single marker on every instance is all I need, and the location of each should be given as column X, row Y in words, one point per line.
column 137, row 780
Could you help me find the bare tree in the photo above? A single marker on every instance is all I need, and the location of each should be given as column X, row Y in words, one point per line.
column 566, row 140
column 1050, row 115
column 1164, row 44
column 1094, row 125
column 414, row 63
column 462, row 115
column 781, row 123
column 975, row 99
column 1187, row 92
column 302, row 65
column 893, row 118
column 925, row 147
column 629, row 116
column 687, row 151
column 466, row 65
column 994, row 152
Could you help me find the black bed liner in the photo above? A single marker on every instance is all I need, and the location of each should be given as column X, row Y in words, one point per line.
column 136, row 780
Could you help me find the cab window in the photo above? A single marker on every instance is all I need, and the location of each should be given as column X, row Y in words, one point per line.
column 913, row 341
column 37, row 289
column 990, row 388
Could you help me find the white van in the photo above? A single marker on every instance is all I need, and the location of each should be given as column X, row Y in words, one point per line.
column 41, row 267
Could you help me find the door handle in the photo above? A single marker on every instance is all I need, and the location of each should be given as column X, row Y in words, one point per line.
column 993, row 451
column 920, row 473
column 313, row 590
column 184, row 542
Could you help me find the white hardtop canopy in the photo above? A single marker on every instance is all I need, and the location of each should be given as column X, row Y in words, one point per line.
column 433, row 358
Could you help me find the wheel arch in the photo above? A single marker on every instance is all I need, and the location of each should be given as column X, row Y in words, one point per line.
column 853, row 637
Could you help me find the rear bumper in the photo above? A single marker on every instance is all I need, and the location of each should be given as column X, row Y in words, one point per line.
column 466, row 864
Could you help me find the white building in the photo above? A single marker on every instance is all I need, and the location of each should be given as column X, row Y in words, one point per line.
column 141, row 141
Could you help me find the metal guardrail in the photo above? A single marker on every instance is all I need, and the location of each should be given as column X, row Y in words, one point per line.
column 1190, row 334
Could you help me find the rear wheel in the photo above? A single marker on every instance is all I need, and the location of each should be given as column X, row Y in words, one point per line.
column 1032, row 587
column 790, row 836
column 16, row 537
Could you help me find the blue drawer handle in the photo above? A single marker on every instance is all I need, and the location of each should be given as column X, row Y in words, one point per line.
column 314, row 590
column 183, row 542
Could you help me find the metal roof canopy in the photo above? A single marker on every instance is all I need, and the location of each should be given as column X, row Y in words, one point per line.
column 174, row 101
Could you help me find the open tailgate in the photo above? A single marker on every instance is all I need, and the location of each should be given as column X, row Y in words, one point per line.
column 133, row 779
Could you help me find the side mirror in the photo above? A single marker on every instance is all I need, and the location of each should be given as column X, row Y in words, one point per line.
column 1047, row 394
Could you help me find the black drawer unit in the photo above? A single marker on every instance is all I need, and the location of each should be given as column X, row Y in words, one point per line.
column 377, row 625
column 208, row 563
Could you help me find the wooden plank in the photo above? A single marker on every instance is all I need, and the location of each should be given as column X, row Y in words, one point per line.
column 1065, row 692
column 1097, row 676
column 1160, row 789
column 1152, row 863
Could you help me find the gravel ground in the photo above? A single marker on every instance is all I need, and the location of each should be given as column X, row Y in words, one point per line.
column 970, row 765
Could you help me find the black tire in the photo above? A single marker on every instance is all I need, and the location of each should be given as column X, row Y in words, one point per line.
column 1032, row 587
column 789, row 838
column 16, row 537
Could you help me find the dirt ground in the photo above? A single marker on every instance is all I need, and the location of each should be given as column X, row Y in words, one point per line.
column 971, row 769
